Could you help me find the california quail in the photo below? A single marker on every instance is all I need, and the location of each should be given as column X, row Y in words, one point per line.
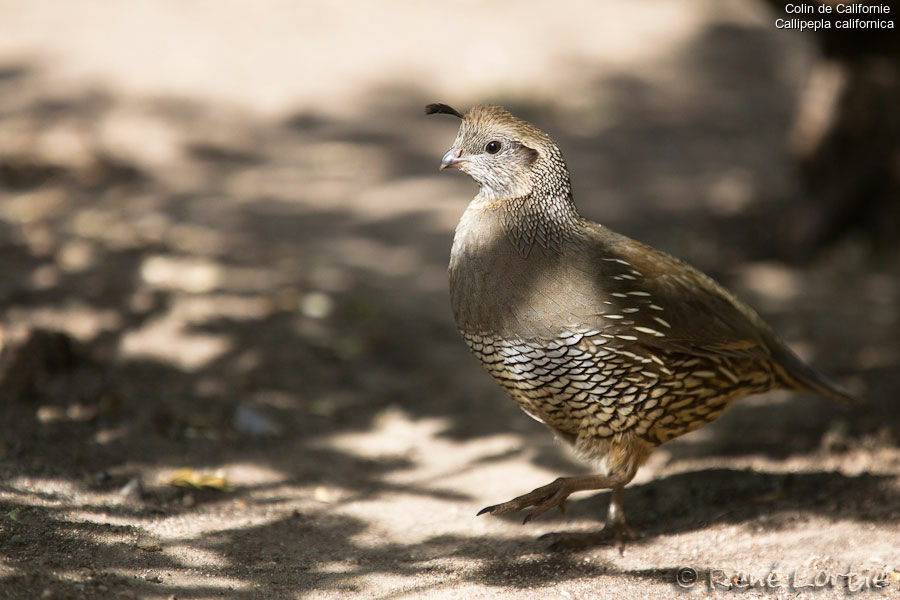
column 615, row 346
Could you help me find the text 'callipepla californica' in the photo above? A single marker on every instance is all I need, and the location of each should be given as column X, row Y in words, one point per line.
column 615, row 346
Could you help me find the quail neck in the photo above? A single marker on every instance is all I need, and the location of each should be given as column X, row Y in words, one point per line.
column 511, row 245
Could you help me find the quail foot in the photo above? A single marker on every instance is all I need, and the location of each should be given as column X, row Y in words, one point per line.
column 615, row 346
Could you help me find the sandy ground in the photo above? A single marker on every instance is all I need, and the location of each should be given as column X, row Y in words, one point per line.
column 234, row 215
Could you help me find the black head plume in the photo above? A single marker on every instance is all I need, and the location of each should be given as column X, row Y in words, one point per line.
column 432, row 109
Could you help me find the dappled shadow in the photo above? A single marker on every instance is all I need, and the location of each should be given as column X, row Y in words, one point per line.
column 207, row 264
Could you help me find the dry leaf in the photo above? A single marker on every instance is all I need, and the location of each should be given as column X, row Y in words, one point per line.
column 189, row 478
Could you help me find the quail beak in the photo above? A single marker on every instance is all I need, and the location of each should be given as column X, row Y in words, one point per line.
column 451, row 159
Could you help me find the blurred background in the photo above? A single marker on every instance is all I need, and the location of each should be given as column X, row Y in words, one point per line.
column 228, row 360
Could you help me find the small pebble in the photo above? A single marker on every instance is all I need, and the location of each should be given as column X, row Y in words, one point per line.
column 149, row 544
column 131, row 490
column 316, row 305
column 253, row 422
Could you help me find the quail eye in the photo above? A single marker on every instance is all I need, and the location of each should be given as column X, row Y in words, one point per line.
column 492, row 147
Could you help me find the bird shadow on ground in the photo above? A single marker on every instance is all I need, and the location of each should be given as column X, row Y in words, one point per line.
column 207, row 264
column 701, row 498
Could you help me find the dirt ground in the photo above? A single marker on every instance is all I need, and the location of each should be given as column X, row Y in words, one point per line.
column 223, row 246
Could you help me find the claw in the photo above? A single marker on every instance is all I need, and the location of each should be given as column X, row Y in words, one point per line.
column 532, row 515
column 541, row 499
